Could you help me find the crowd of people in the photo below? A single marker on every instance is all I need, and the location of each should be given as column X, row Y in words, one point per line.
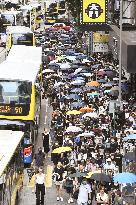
column 89, row 126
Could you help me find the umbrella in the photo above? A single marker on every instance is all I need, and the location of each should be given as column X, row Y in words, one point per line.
column 95, row 66
column 76, row 90
column 78, row 82
column 78, row 70
column 48, row 71
column 61, row 150
column 131, row 156
column 77, row 174
column 102, row 81
column 86, row 134
column 65, row 66
column 125, row 177
column 93, row 83
column 101, row 73
column 130, row 137
column 87, row 74
column 86, row 109
column 107, row 85
column 73, row 96
column 89, row 175
column 58, row 84
column 114, row 93
column 110, row 73
column 93, row 94
column 73, row 129
column 115, row 88
column 101, row 177
column 73, row 112
column 90, row 88
column 91, row 114
column 107, row 91
column 77, row 104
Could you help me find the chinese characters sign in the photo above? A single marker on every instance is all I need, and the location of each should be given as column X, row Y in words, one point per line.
column 94, row 11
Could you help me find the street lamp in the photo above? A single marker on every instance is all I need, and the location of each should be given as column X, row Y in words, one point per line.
column 120, row 52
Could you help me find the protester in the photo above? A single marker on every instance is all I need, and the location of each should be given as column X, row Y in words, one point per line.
column 46, row 142
column 40, row 187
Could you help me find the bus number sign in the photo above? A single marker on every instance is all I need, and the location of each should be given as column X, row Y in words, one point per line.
column 14, row 110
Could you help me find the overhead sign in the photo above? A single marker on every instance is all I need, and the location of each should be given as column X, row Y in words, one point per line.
column 94, row 11
column 101, row 38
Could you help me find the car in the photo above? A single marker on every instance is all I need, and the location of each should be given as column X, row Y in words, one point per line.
column 61, row 26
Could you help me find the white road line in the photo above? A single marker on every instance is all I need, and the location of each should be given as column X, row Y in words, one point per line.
column 45, row 122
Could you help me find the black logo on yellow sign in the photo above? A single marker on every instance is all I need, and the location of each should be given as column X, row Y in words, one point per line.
column 94, row 10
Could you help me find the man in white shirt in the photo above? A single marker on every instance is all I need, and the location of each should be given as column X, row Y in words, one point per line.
column 84, row 192
column 40, row 187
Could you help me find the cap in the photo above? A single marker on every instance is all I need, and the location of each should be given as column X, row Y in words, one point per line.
column 108, row 160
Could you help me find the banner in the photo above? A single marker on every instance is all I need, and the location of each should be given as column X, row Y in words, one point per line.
column 94, row 11
column 101, row 38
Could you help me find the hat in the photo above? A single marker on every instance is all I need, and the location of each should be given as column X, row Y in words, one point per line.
column 108, row 160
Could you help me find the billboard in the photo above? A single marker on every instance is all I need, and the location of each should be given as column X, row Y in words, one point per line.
column 94, row 11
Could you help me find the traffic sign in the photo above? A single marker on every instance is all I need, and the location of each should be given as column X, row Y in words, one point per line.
column 94, row 11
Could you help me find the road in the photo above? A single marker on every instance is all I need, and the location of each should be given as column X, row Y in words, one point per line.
column 27, row 196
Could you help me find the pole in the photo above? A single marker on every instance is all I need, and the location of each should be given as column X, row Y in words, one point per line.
column 89, row 44
column 120, row 52
column 30, row 19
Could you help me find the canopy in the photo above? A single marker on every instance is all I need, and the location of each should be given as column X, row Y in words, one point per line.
column 9, row 141
column 22, row 54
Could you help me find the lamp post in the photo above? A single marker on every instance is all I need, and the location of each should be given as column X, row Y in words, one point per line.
column 120, row 52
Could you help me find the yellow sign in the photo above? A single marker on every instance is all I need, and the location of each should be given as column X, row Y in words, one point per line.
column 101, row 38
column 94, row 11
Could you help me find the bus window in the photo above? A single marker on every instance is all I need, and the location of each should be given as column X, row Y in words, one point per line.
column 22, row 39
column 15, row 98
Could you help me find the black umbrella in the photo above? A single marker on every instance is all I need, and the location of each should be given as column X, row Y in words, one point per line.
column 101, row 177
column 78, row 174
column 130, row 156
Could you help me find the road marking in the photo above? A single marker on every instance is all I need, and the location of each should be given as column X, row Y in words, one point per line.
column 45, row 122
column 48, row 180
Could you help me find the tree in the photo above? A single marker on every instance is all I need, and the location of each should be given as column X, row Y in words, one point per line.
column 75, row 7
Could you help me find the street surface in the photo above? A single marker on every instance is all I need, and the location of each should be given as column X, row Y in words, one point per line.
column 28, row 193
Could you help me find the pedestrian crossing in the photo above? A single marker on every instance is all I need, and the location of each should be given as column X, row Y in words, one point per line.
column 48, row 178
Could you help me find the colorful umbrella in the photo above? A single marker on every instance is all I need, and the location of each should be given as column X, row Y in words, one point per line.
column 125, row 177
column 93, row 94
column 73, row 112
column 61, row 150
column 130, row 137
column 86, row 109
column 93, row 83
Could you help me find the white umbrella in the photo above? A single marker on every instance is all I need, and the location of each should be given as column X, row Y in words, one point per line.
column 71, row 58
column 85, row 61
column 86, row 134
column 77, row 82
column 27, row 7
column 73, row 129
column 65, row 65
column 58, row 84
column 78, row 70
column 87, row 74
column 48, row 71
column 90, row 114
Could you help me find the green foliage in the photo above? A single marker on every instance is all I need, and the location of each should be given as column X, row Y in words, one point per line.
column 75, row 7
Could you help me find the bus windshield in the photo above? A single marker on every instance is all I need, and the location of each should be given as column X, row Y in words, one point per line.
column 22, row 39
column 15, row 92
